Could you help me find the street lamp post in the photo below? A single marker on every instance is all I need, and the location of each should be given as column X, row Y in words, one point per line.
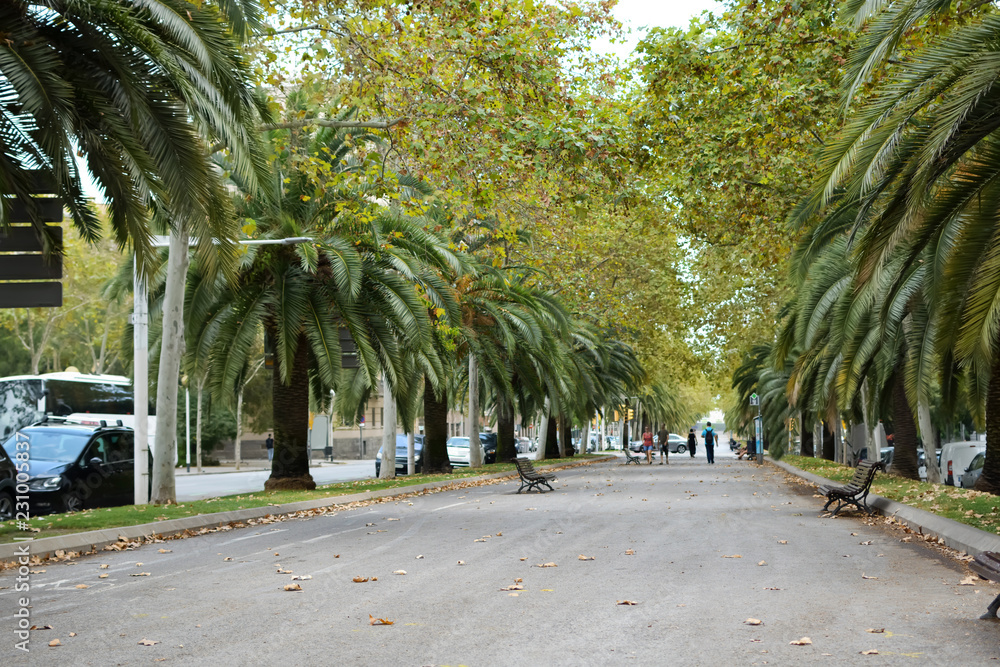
column 140, row 361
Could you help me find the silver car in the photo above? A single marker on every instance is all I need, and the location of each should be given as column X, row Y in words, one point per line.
column 974, row 471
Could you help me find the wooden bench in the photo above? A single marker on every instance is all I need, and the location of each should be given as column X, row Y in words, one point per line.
column 854, row 492
column 630, row 457
column 987, row 566
column 531, row 478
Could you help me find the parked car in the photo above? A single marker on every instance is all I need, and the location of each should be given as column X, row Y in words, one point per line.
column 458, row 451
column 489, row 442
column 974, row 471
column 71, row 466
column 610, row 442
column 956, row 456
column 8, row 475
column 402, row 453
column 635, row 445
column 678, row 445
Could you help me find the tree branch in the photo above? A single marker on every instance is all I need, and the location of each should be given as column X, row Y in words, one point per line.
column 322, row 122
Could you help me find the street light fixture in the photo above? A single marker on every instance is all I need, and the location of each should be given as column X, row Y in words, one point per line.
column 140, row 360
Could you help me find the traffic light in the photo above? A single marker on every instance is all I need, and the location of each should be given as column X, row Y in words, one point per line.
column 631, row 414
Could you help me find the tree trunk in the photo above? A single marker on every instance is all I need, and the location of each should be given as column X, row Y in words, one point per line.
column 239, row 427
column 506, row 449
column 475, row 445
column 930, row 438
column 989, row 481
column 171, row 350
column 411, row 450
column 829, row 451
column 870, row 444
column 567, row 437
column 290, row 408
column 552, row 440
column 543, row 431
column 388, row 468
column 904, row 458
column 435, row 430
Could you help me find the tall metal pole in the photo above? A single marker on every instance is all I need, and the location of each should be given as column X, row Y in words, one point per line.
column 140, row 385
column 187, row 427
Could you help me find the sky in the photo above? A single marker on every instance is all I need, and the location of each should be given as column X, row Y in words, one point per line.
column 639, row 14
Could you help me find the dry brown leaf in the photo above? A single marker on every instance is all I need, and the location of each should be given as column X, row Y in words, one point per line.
column 378, row 621
column 55, row 642
column 165, row 551
column 499, row 534
column 280, row 571
column 419, row 557
column 875, row 631
column 82, row 586
column 865, row 543
column 302, row 577
column 524, row 558
column 513, row 595
column 36, row 571
column 72, row 634
column 43, row 627
column 805, row 641
column 292, row 587
column 546, row 565
column 479, row 540
column 227, row 558
column 138, row 564
column 627, row 603
column 582, row 557
column 968, row 581
column 630, row 552
column 753, row 621
column 139, row 574
column 733, row 556
column 147, row 642
column 399, row 571
column 870, row 651
column 763, row 562
column 513, row 587
column 865, row 576
column 359, row 580
column 518, row 580
column 103, row 567
column 102, row 576
column 782, row 541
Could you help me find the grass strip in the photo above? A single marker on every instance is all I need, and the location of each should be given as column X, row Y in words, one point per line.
column 976, row 508
column 51, row 525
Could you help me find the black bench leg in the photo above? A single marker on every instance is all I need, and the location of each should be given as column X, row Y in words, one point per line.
column 991, row 611
column 828, row 503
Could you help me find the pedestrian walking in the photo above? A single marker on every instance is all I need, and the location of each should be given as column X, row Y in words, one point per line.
column 709, row 435
column 647, row 444
column 269, row 443
column 692, row 442
column 664, row 439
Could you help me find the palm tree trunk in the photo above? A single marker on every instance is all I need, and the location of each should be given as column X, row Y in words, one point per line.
column 171, row 349
column 505, row 430
column 411, row 450
column 929, row 436
column 290, row 405
column 435, row 430
column 904, row 458
column 475, row 445
column 543, row 432
column 388, row 469
column 989, row 481
column 552, row 440
column 567, row 437
column 239, row 426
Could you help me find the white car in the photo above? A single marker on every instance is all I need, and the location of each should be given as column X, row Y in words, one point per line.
column 956, row 457
column 458, row 452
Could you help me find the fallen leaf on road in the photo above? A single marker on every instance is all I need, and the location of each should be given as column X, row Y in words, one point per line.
column 772, row 588
column 529, row 509
column 753, row 621
column 733, row 556
column 630, row 552
column 359, row 580
column 854, row 534
column 875, row 631
column 513, row 587
column 513, row 595
column 582, row 557
column 227, row 558
column 419, row 557
column 102, row 576
column 499, row 534
column 82, row 586
column 302, row 577
column 378, row 621
column 103, row 567
column 165, row 551
column 479, row 540
column 399, row 571
column 392, row 519
column 292, row 587
column 369, row 525
column 72, row 634
column 546, row 565
column 518, row 580
column 138, row 564
column 627, row 603
column 55, row 642
column 865, row 576
column 461, row 562
column 870, row 651
column 41, row 571
column 147, row 642
column 805, row 641
column 763, row 562
column 968, row 581
column 782, row 541
column 524, row 558
column 280, row 571
column 139, row 574
column 43, row 627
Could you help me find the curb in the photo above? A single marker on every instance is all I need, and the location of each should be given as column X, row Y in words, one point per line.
column 96, row 540
column 954, row 534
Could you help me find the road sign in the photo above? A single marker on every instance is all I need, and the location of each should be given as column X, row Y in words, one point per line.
column 754, row 399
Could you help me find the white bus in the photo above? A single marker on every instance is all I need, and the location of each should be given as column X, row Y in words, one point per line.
column 82, row 398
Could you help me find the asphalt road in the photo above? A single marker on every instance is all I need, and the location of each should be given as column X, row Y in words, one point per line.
column 698, row 534
column 213, row 485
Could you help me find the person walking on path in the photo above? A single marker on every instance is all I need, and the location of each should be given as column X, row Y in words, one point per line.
column 269, row 443
column 709, row 435
column 664, row 439
column 692, row 442
column 647, row 444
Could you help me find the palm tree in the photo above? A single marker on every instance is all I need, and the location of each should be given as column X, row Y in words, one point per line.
column 140, row 91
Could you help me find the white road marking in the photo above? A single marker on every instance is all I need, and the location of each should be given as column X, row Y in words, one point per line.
column 250, row 537
column 438, row 509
